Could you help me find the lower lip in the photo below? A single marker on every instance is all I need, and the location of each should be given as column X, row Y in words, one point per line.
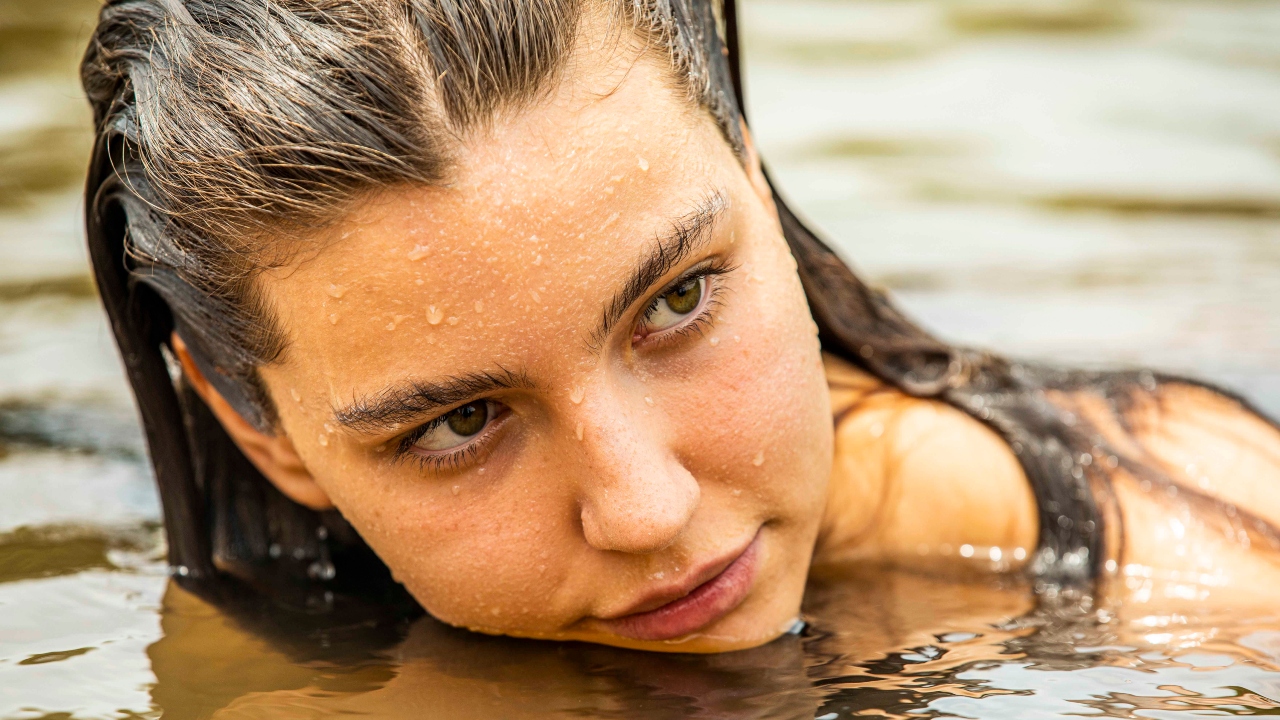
column 708, row 603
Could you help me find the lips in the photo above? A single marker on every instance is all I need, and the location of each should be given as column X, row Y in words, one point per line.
column 675, row 612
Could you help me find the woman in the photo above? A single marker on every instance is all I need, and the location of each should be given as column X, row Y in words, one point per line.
column 492, row 300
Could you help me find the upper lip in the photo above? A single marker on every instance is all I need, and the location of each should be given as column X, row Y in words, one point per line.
column 671, row 592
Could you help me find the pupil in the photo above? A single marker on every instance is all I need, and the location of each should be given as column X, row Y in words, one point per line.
column 468, row 419
column 684, row 299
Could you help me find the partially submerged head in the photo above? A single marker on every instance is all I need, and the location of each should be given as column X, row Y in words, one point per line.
column 500, row 281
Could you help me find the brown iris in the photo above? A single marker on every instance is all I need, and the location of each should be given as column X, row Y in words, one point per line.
column 684, row 299
column 468, row 419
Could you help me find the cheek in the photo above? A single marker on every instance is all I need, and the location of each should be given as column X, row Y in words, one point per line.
column 755, row 410
column 486, row 557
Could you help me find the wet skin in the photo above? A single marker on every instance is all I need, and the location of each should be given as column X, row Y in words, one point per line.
column 633, row 456
column 577, row 394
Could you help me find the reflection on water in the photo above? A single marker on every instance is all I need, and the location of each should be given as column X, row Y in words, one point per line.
column 880, row 644
column 1093, row 181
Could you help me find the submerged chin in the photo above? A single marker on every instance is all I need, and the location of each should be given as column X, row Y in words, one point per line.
column 726, row 636
column 738, row 630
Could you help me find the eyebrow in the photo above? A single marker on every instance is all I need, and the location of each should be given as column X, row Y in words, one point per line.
column 688, row 233
column 398, row 406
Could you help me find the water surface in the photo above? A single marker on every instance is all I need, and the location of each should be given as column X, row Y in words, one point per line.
column 1086, row 181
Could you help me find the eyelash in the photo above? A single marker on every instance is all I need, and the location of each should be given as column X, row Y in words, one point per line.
column 454, row 459
column 463, row 455
column 698, row 324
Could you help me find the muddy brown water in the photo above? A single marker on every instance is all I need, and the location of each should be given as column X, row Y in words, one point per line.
column 1085, row 181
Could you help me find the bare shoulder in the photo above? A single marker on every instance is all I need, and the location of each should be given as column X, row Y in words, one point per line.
column 1197, row 501
column 1202, row 439
column 914, row 478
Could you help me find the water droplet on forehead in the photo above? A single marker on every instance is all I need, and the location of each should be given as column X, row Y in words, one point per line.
column 418, row 252
column 337, row 291
column 434, row 314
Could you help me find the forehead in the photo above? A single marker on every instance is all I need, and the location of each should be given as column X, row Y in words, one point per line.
column 545, row 216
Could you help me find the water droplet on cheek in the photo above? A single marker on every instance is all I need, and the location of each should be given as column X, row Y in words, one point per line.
column 648, row 400
column 434, row 315
column 578, row 431
column 457, row 489
column 293, row 393
column 644, row 164
column 337, row 291
column 324, row 440
column 577, row 393
column 479, row 306
column 333, row 319
column 418, row 252
column 759, row 459
column 714, row 341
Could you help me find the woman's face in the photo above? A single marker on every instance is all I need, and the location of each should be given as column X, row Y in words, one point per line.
column 577, row 393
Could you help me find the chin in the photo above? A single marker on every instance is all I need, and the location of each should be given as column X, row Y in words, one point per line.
column 742, row 629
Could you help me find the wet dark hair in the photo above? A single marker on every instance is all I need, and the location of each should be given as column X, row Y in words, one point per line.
column 239, row 123
column 223, row 124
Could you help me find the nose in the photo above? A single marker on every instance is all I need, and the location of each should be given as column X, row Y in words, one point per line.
column 635, row 497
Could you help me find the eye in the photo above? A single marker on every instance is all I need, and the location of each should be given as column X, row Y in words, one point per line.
column 456, row 427
column 675, row 305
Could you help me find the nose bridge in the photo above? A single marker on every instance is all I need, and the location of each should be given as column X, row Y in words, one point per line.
column 635, row 495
